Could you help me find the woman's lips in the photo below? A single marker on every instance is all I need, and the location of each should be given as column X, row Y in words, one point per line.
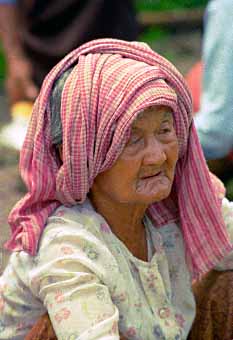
column 152, row 184
column 152, row 175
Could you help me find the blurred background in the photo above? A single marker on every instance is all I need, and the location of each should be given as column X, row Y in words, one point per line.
column 172, row 28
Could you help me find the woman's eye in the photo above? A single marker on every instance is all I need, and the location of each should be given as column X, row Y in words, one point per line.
column 134, row 140
column 165, row 129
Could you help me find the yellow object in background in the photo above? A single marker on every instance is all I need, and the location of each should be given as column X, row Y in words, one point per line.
column 13, row 134
column 22, row 109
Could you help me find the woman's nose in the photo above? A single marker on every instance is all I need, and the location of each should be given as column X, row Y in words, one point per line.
column 154, row 152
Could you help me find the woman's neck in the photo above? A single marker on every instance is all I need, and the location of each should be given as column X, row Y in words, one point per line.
column 124, row 219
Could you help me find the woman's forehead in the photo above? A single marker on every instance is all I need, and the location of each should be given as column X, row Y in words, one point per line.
column 153, row 112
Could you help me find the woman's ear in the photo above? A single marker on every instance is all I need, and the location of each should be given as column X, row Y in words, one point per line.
column 60, row 152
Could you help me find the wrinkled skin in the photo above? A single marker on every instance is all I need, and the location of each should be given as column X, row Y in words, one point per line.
column 144, row 172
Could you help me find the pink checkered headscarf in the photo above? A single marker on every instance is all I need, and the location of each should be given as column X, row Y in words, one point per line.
column 110, row 83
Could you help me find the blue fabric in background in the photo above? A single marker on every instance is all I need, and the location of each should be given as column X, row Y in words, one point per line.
column 214, row 121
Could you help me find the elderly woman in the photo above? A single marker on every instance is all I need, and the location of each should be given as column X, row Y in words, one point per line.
column 121, row 213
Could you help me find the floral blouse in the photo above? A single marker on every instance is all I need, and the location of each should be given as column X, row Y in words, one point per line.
column 94, row 288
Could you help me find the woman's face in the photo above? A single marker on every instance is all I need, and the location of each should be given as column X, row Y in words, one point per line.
column 144, row 172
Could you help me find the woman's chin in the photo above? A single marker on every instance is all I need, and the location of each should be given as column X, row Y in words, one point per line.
column 154, row 194
column 156, row 197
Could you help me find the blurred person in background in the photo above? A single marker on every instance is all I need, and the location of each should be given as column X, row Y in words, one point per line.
column 214, row 117
column 37, row 34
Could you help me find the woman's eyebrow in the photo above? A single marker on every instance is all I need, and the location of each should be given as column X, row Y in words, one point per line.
column 167, row 115
column 135, row 129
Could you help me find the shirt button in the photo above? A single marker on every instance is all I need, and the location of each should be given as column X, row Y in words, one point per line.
column 164, row 313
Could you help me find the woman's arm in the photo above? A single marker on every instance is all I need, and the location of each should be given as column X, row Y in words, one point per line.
column 43, row 329
column 19, row 308
column 67, row 279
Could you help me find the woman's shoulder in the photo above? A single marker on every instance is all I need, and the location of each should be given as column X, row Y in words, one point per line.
column 72, row 242
column 78, row 227
column 81, row 217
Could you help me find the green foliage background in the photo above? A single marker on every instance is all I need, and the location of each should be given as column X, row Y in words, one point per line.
column 2, row 65
column 143, row 5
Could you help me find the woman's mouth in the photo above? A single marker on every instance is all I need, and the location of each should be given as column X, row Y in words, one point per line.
column 157, row 174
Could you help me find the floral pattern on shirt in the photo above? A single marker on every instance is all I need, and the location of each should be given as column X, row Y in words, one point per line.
column 86, row 277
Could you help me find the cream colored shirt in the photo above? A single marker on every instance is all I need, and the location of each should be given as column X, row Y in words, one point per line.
column 94, row 288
